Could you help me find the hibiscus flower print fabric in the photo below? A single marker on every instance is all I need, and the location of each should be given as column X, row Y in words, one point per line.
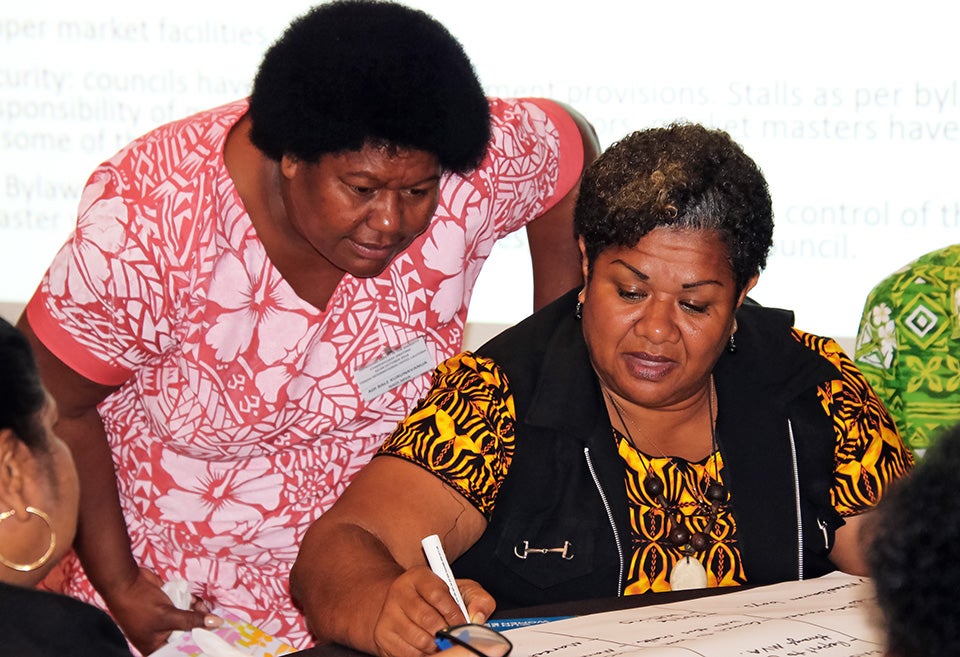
column 238, row 420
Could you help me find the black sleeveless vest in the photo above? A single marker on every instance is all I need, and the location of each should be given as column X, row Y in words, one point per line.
column 565, row 486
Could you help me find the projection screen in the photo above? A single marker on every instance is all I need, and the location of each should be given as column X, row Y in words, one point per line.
column 852, row 110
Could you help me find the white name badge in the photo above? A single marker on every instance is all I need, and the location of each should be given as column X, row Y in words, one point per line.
column 393, row 368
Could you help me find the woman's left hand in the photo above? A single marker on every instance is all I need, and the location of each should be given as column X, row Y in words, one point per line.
column 147, row 616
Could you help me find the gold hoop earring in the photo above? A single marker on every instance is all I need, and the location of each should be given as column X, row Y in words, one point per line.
column 28, row 567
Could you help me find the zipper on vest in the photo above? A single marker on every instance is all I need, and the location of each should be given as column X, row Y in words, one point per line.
column 613, row 525
column 796, row 500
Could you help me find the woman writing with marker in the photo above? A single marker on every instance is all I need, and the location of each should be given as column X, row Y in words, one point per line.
column 650, row 431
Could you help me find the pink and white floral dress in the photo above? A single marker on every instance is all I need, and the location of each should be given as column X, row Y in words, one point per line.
column 239, row 420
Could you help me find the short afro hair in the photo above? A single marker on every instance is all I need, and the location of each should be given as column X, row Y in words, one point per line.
column 914, row 545
column 361, row 72
column 683, row 176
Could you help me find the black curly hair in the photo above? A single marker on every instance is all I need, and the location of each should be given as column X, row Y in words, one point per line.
column 683, row 176
column 22, row 395
column 360, row 72
column 914, row 547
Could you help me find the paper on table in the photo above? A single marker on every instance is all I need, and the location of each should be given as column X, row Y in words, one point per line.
column 235, row 635
column 831, row 616
column 247, row 639
column 213, row 646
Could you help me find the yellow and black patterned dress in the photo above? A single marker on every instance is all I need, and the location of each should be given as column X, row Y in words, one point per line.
column 464, row 432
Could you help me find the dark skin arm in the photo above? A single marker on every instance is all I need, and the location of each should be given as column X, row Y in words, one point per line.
column 133, row 594
column 361, row 576
column 848, row 552
column 553, row 247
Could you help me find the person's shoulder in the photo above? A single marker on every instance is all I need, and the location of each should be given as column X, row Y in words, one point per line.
column 44, row 623
column 824, row 346
column 531, row 114
column 777, row 325
column 177, row 158
column 767, row 321
column 948, row 256
column 770, row 347
column 501, row 106
column 941, row 264
column 200, row 134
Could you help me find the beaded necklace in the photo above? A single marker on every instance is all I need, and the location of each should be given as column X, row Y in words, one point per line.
column 687, row 573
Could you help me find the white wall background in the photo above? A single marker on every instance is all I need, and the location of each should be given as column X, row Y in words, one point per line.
column 852, row 110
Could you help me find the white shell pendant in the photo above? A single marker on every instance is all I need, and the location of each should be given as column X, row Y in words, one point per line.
column 688, row 573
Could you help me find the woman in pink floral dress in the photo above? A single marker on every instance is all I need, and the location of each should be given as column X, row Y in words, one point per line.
column 255, row 295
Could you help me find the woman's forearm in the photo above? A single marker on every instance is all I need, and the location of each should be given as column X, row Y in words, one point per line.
column 102, row 542
column 361, row 576
column 341, row 578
